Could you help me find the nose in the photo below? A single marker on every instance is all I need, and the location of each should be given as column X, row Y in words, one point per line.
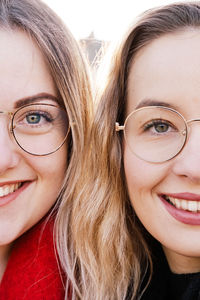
column 9, row 157
column 187, row 163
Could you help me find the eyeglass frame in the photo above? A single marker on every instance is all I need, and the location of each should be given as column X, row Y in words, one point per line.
column 185, row 132
column 11, row 128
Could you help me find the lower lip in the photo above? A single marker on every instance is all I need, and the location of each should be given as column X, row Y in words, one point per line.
column 11, row 197
column 186, row 217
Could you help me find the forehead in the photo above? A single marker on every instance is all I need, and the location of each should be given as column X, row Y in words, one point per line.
column 167, row 68
column 24, row 71
column 19, row 49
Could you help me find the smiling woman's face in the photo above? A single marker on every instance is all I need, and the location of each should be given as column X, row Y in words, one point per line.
column 168, row 71
column 23, row 75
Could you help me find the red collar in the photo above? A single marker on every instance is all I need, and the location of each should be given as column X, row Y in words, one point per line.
column 32, row 272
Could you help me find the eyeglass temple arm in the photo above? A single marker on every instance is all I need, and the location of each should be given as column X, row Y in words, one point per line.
column 119, row 127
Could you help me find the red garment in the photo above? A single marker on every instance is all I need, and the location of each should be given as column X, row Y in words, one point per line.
column 32, row 272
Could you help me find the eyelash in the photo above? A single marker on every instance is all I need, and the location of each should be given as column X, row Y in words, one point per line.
column 23, row 119
column 43, row 114
column 153, row 123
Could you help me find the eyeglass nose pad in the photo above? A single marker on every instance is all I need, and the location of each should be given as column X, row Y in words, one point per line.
column 184, row 132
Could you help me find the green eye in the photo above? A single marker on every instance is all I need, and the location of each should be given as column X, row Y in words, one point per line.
column 158, row 126
column 161, row 127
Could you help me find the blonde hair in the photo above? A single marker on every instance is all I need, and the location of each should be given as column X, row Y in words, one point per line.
column 70, row 74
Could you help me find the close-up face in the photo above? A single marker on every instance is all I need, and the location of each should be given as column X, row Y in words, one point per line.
column 166, row 194
column 29, row 185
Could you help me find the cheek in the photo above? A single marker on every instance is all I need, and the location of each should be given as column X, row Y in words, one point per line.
column 49, row 169
column 143, row 179
column 140, row 175
column 136, row 184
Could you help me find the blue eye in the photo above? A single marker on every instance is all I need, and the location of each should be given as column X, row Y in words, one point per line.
column 38, row 118
column 33, row 118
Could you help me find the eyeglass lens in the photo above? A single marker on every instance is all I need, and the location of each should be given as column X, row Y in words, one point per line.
column 155, row 134
column 40, row 129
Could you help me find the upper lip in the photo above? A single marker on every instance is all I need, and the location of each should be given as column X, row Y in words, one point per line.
column 13, row 182
column 185, row 195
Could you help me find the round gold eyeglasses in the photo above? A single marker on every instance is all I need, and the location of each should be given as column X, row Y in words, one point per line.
column 39, row 129
column 155, row 134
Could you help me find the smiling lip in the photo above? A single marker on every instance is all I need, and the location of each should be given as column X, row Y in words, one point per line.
column 7, row 196
column 186, row 196
column 186, row 208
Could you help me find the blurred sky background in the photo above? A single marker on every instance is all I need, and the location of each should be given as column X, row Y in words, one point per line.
column 106, row 18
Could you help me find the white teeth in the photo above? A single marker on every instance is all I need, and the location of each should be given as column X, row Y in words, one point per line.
column 177, row 203
column 8, row 189
column 184, row 204
column 193, row 206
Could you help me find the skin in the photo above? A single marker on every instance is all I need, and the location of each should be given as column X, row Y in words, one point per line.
column 168, row 70
column 24, row 74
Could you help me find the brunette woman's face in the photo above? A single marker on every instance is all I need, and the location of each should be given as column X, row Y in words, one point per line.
column 24, row 74
column 168, row 71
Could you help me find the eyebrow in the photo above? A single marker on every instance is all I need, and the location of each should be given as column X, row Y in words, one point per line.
column 153, row 102
column 34, row 98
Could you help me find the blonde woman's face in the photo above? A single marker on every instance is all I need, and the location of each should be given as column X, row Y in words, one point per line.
column 167, row 71
column 29, row 185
